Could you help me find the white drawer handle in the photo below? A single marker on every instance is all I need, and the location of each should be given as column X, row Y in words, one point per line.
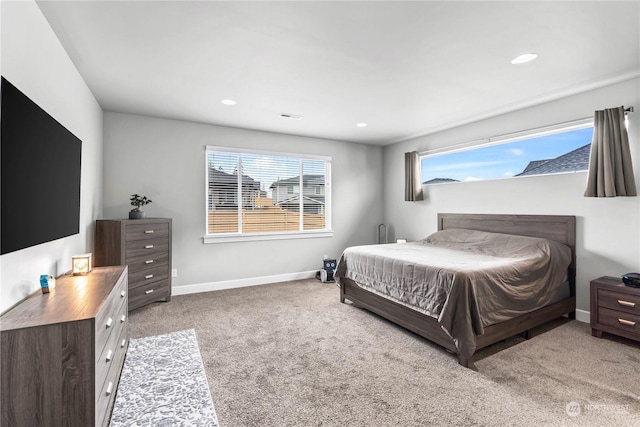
column 122, row 294
column 123, row 318
column 627, row 322
column 626, row 303
column 150, row 261
column 148, row 276
column 149, row 291
column 109, row 355
column 109, row 322
column 124, row 341
column 109, row 388
column 148, row 246
column 148, row 231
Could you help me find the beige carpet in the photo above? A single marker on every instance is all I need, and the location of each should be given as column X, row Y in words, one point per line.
column 290, row 354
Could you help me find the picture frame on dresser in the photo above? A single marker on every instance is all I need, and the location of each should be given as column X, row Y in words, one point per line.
column 145, row 246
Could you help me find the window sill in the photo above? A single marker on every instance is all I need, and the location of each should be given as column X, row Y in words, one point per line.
column 228, row 238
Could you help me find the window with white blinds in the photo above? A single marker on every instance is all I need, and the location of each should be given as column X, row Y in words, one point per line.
column 265, row 195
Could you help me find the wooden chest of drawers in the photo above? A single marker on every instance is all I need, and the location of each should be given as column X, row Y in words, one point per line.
column 63, row 352
column 615, row 308
column 145, row 246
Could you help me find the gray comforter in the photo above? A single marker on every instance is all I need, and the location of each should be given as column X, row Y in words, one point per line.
column 465, row 279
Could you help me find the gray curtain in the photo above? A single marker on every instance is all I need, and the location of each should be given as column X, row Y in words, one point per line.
column 610, row 169
column 412, row 184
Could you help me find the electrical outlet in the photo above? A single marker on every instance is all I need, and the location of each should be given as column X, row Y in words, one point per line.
column 174, row 272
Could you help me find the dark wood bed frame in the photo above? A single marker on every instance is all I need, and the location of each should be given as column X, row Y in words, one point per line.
column 560, row 228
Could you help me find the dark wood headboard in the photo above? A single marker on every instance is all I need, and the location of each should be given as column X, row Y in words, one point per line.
column 559, row 228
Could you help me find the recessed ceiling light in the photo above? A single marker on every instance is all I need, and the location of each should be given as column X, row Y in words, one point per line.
column 228, row 102
column 524, row 58
column 361, row 125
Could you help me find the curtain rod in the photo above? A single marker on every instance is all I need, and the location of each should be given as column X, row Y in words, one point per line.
column 628, row 110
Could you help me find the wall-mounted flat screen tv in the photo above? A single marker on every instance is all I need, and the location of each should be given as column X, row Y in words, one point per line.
column 40, row 174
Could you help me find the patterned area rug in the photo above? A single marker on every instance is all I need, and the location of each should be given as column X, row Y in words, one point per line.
column 163, row 384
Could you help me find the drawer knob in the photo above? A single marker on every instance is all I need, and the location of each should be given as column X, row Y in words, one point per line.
column 627, row 322
column 148, row 276
column 149, row 291
column 109, row 355
column 626, row 303
column 123, row 318
column 122, row 344
column 122, row 294
column 148, row 231
column 109, row 322
column 109, row 388
column 150, row 261
column 148, row 246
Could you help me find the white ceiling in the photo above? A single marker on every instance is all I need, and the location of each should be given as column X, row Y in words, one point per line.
column 405, row 68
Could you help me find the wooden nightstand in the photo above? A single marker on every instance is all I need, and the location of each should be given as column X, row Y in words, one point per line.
column 615, row 308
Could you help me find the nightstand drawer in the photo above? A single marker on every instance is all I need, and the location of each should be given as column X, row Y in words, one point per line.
column 615, row 308
column 619, row 320
column 147, row 231
column 620, row 302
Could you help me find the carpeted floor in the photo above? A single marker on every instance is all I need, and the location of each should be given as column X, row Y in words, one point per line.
column 289, row 354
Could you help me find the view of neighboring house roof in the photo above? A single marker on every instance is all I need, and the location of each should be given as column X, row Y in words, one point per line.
column 576, row 160
column 305, row 199
column 220, row 177
column 440, row 180
column 306, row 180
column 532, row 165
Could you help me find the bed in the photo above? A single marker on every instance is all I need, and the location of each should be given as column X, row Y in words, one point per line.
column 459, row 321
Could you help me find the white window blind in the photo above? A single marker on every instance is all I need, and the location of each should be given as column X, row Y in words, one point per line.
column 280, row 194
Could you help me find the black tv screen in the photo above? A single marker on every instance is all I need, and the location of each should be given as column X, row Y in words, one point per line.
column 40, row 174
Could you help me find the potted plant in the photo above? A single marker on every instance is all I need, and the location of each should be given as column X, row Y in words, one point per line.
column 138, row 202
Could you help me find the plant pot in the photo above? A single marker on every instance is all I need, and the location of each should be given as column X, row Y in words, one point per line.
column 136, row 214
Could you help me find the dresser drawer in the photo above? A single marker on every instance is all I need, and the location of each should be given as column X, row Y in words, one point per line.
column 152, row 274
column 620, row 320
column 107, row 318
column 148, row 292
column 620, row 302
column 143, row 245
column 49, row 372
column 119, row 321
column 105, row 396
column 143, row 248
column 146, row 231
column 148, row 261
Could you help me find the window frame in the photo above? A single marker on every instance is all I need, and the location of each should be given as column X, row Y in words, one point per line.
column 506, row 139
column 276, row 235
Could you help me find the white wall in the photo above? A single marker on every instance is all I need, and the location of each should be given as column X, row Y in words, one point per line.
column 165, row 161
column 608, row 229
column 35, row 62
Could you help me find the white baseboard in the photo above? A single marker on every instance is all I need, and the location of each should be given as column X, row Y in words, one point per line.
column 583, row 316
column 241, row 283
